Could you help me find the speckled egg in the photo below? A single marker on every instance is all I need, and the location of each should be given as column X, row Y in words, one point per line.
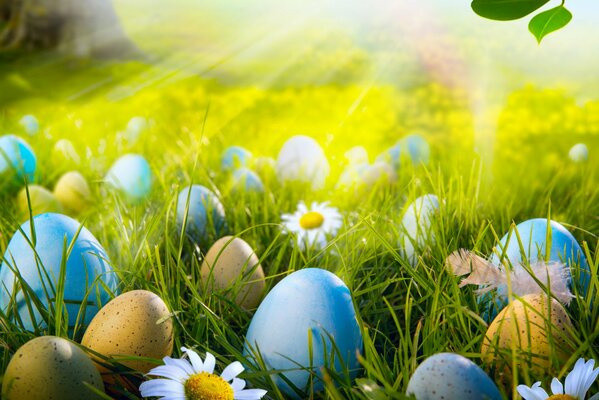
column 309, row 306
column 231, row 262
column 246, row 180
column 73, row 192
column 136, row 323
column 30, row 124
column 301, row 159
column 64, row 152
column 87, row 271
column 131, row 175
column 451, row 377
column 17, row 159
column 41, row 200
column 526, row 326
column 416, row 225
column 49, row 367
column 416, row 148
column 235, row 157
column 205, row 213
column 579, row 153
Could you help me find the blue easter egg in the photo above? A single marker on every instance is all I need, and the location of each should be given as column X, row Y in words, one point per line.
column 391, row 156
column 235, row 157
column 30, row 124
column 533, row 234
column 17, row 158
column 246, row 180
column 310, row 305
column 579, row 153
column 451, row 377
column 87, row 270
column 205, row 213
column 417, row 148
column 132, row 176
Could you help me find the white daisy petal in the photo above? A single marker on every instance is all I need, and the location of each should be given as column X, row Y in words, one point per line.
column 238, row 384
column 209, row 363
column 161, row 387
column 531, row 393
column 250, row 394
column 183, row 365
column 166, row 371
column 231, row 371
column 194, row 359
column 590, row 378
column 595, row 397
column 557, row 387
column 572, row 379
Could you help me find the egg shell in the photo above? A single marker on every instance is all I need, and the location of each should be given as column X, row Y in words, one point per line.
column 416, row 225
column 451, row 377
column 579, row 153
column 246, row 180
column 524, row 325
column 205, row 213
column 30, row 124
column 135, row 323
column 132, row 176
column 301, row 159
column 308, row 303
column 416, row 148
column 49, row 367
column 352, row 176
column 533, row 234
column 41, row 200
column 17, row 159
column 231, row 260
column 64, row 152
column 86, row 266
column 235, row 157
column 73, row 192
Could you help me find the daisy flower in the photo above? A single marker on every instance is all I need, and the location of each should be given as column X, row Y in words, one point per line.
column 312, row 225
column 578, row 382
column 193, row 379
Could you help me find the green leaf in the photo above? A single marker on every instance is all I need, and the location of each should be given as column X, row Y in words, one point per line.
column 549, row 21
column 505, row 10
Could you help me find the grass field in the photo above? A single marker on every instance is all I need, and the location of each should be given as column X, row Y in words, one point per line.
column 519, row 171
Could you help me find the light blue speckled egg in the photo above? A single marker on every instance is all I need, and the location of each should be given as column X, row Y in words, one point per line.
column 30, row 124
column 533, row 234
column 131, row 175
column 579, row 153
column 205, row 214
column 87, row 270
column 309, row 305
column 235, row 157
column 450, row 376
column 417, row 148
column 246, row 180
column 17, row 159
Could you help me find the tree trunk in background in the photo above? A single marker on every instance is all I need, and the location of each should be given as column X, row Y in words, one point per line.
column 83, row 28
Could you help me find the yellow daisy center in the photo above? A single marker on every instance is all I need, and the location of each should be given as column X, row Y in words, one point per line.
column 205, row 386
column 561, row 397
column 311, row 220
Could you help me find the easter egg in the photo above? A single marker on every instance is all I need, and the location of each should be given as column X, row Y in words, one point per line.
column 235, row 157
column 131, row 175
column 451, row 377
column 301, row 159
column 579, row 153
column 391, row 156
column 246, row 180
column 352, row 176
column 64, row 152
column 135, row 323
column 135, row 127
column 201, row 212
column 30, row 124
column 379, row 172
column 41, row 200
column 87, row 272
column 356, row 155
column 49, row 367
column 73, row 192
column 416, row 225
column 417, row 148
column 17, row 160
column 529, row 325
column 231, row 262
column 308, row 308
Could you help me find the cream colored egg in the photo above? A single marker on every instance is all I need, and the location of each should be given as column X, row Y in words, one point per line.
column 524, row 328
column 136, row 323
column 41, row 200
column 49, row 367
column 73, row 192
column 231, row 262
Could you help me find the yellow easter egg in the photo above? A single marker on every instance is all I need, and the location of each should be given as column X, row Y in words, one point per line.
column 73, row 192
column 41, row 201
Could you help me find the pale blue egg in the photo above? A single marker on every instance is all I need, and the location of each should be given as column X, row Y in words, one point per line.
column 579, row 153
column 30, row 124
column 310, row 305
column 246, row 180
column 391, row 156
column 205, row 213
column 451, row 377
column 87, row 270
column 533, row 234
column 417, row 226
column 17, row 159
column 132, row 176
column 417, row 148
column 235, row 157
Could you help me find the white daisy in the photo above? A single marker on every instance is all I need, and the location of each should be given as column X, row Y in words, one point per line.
column 578, row 382
column 312, row 226
column 193, row 379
